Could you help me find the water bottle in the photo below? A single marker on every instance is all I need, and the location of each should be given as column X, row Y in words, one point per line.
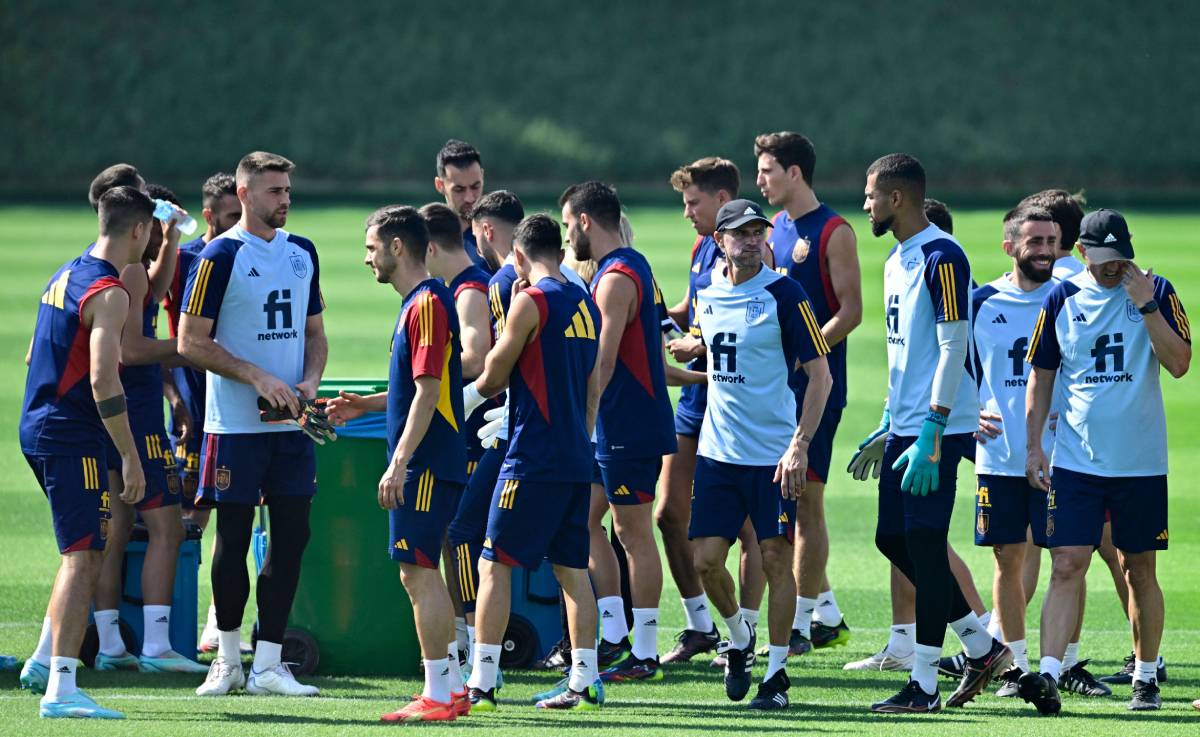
column 165, row 211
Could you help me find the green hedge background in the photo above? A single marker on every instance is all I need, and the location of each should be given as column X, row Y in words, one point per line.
column 996, row 98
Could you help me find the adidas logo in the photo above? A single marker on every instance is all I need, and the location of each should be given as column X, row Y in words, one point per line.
column 162, row 620
column 824, row 603
column 702, row 608
column 780, row 699
column 1110, row 238
column 580, row 665
column 64, row 669
column 750, row 211
column 1000, row 319
column 968, row 632
column 1162, row 536
column 708, row 310
column 809, row 610
column 651, row 622
column 402, row 545
column 902, row 631
column 487, row 659
column 607, row 615
column 253, row 272
column 1079, row 318
column 447, row 671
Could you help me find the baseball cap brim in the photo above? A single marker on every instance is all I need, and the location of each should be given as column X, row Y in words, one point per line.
column 744, row 220
column 1103, row 254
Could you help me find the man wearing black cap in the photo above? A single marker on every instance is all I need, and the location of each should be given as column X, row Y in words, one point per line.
column 1103, row 334
column 752, row 456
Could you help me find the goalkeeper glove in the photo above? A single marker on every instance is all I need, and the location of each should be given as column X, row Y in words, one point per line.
column 923, row 457
column 312, row 420
column 489, row 433
column 869, row 456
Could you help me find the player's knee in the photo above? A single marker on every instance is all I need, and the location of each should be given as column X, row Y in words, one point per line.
column 1069, row 565
column 82, row 563
column 1138, row 569
column 1010, row 559
column 776, row 558
column 669, row 520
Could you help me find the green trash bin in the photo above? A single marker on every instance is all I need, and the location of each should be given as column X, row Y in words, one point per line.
column 350, row 605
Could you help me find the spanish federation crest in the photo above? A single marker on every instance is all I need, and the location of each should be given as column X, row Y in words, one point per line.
column 298, row 265
column 1049, row 525
column 1131, row 312
column 981, row 523
column 801, row 250
column 755, row 309
column 223, row 478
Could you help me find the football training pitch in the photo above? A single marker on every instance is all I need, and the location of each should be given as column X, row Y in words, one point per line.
column 34, row 241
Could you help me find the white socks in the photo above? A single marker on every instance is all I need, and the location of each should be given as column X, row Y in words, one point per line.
column 804, row 616
column 699, row 618
column 1020, row 651
column 210, row 625
column 925, row 667
column 1145, row 671
column 1071, row 656
column 455, row 678
column 229, row 646
column 62, row 678
column 645, row 633
column 157, row 620
column 993, row 626
column 902, row 640
column 266, row 654
column 739, row 631
column 109, row 632
column 776, row 660
column 41, row 655
column 437, row 680
column 470, row 643
column 827, row 612
column 975, row 639
column 751, row 617
column 1051, row 667
column 613, row 626
column 583, row 670
column 487, row 664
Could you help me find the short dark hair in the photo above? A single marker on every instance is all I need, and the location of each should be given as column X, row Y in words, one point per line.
column 1065, row 208
column 458, row 154
column 256, row 162
column 789, row 149
column 445, row 227
column 1021, row 214
column 159, row 192
column 502, row 205
column 405, row 223
column 217, row 186
column 597, row 200
column 117, row 175
column 709, row 175
column 120, row 208
column 938, row 213
column 899, row 171
column 539, row 236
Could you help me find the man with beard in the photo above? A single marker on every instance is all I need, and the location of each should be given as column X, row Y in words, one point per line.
column 1103, row 334
column 460, row 180
column 1067, row 211
column 1007, row 508
column 705, row 185
column 932, row 411
column 815, row 246
column 252, row 319
column 634, row 426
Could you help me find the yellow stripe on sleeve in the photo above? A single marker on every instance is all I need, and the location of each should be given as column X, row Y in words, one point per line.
column 1181, row 319
column 1037, row 335
column 814, row 330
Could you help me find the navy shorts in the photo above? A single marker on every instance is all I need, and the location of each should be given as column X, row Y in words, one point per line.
column 820, row 450
column 900, row 511
column 187, row 467
column 418, row 526
column 77, row 489
column 1005, row 506
column 247, row 468
column 532, row 520
column 725, row 494
column 470, row 518
column 630, row 481
column 158, row 462
column 1076, row 505
column 688, row 423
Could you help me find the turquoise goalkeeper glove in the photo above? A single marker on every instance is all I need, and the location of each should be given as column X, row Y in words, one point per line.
column 923, row 457
column 869, row 456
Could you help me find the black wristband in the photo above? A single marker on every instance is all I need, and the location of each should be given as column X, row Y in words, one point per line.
column 1151, row 306
column 111, row 407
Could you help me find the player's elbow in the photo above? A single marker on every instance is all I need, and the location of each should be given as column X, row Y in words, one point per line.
column 851, row 314
column 1181, row 363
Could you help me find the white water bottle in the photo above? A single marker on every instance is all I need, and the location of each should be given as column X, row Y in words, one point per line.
column 165, row 211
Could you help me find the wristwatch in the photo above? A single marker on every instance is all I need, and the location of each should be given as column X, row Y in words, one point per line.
column 1151, row 306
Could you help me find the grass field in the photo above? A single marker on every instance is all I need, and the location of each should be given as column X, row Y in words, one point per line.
column 34, row 241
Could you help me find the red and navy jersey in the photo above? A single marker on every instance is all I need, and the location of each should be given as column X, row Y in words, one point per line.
column 693, row 398
column 475, row 278
column 547, row 393
column 500, row 295
column 635, row 418
column 426, row 344
column 800, row 252
column 188, row 380
column 143, row 383
column 59, row 415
